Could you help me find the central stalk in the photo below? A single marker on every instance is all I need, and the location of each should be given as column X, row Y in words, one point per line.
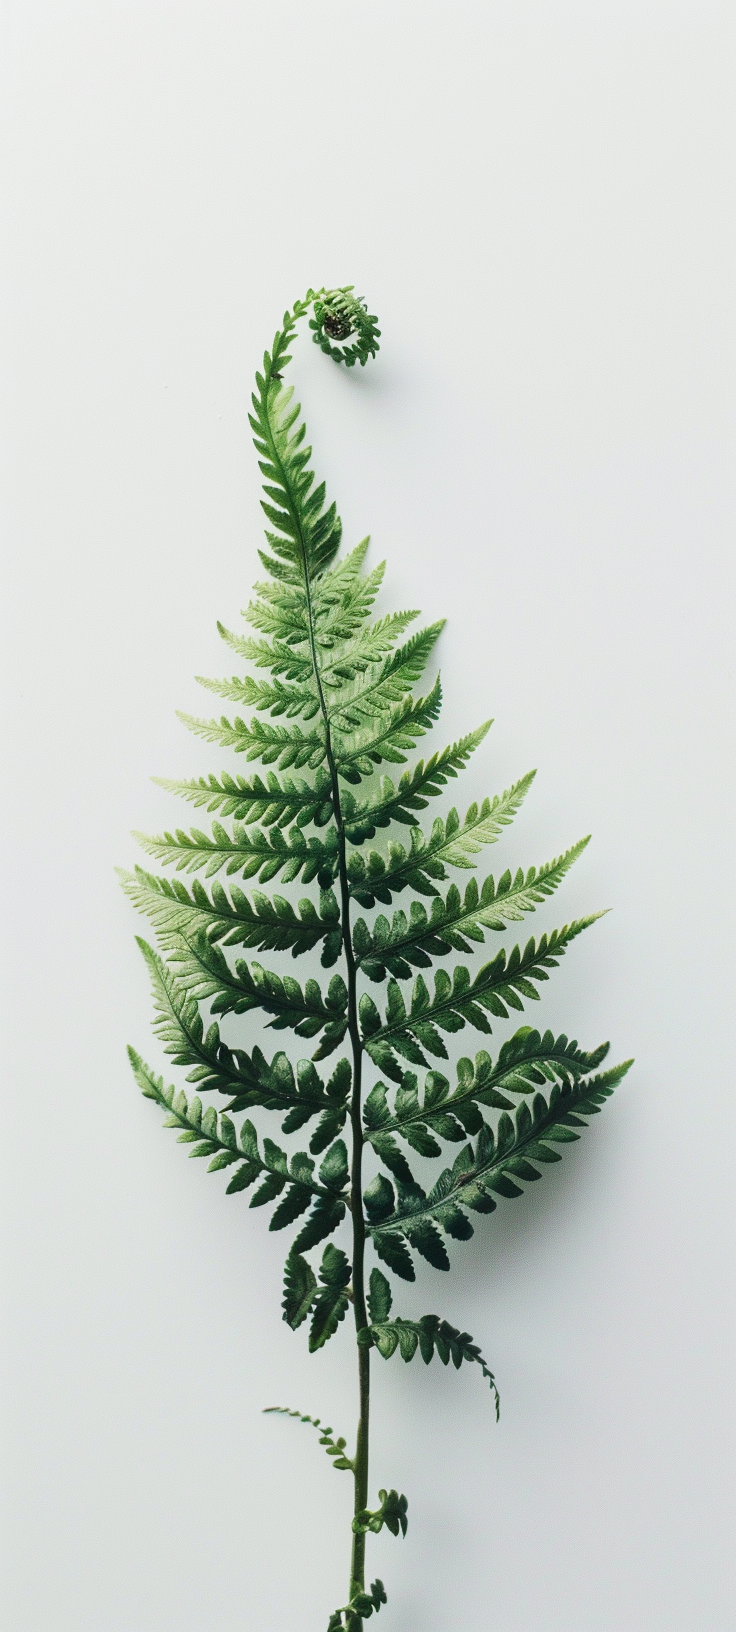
column 357, row 1565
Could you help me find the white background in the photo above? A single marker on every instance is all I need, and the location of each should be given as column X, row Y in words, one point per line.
column 537, row 200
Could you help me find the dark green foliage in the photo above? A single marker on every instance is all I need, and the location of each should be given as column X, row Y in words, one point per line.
column 362, row 1605
column 300, row 1286
column 331, row 1302
column 204, row 970
column 324, row 1218
column 453, row 923
column 429, row 1335
column 451, row 842
column 498, row 1160
column 330, row 700
column 379, row 1296
column 215, row 1136
column 457, row 1002
column 392, row 1513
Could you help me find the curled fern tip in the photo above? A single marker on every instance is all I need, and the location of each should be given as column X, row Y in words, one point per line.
column 340, row 314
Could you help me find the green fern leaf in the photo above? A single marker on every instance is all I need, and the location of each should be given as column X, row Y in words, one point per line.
column 249, row 852
column 379, row 1297
column 430, row 1336
column 307, row 535
column 526, row 1061
column 323, row 1220
column 179, row 1026
column 272, row 744
column 502, row 984
column 357, row 755
column 366, row 649
column 300, row 1286
column 498, row 1161
column 450, row 843
column 264, row 925
column 335, row 1448
column 340, row 314
column 215, row 1137
column 203, row 969
column 278, row 656
column 416, row 787
column 391, row 1513
column 459, row 920
column 342, row 598
column 248, row 1079
column 281, row 610
column 377, row 693
column 331, row 1302
column 255, row 799
column 271, row 697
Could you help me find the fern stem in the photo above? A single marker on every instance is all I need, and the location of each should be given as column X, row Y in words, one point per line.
column 357, row 1567
column 357, row 1562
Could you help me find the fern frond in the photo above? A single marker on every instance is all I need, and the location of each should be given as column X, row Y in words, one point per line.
column 281, row 610
column 272, row 744
column 459, row 1001
column 248, row 1080
column 328, row 1210
column 272, row 697
column 415, row 789
column 204, row 970
column 378, row 878
column 331, row 1302
column 179, row 1026
column 256, row 799
column 342, row 598
column 367, row 648
column 525, row 1061
column 357, row 755
column 215, row 1137
column 339, row 314
column 307, row 535
column 378, row 693
column 278, row 656
column 300, row 1286
column 263, row 925
column 453, row 923
column 430, row 1335
column 330, row 695
column 494, row 1167
column 248, row 851
column 335, row 1448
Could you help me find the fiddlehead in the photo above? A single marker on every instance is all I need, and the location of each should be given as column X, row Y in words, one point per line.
column 339, row 314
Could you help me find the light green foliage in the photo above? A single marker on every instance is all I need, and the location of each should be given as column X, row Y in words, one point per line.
column 330, row 695
column 335, row 1448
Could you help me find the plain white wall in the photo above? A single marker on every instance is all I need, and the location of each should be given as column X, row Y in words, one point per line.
column 537, row 200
